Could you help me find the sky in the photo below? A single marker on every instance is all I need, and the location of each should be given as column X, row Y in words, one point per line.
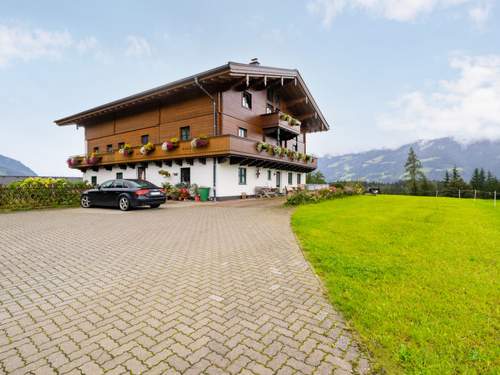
column 383, row 72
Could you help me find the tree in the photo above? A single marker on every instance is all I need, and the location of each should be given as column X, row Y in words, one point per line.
column 491, row 182
column 456, row 182
column 413, row 172
column 482, row 179
column 315, row 178
column 475, row 181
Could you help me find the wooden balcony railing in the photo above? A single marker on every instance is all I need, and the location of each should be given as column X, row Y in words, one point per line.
column 271, row 122
column 224, row 145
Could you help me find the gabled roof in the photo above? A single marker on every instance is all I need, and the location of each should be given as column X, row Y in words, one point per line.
column 232, row 74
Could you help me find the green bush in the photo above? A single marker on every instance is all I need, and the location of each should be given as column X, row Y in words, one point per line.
column 333, row 192
column 38, row 192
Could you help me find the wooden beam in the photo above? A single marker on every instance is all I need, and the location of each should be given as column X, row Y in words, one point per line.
column 307, row 116
column 168, row 163
column 292, row 103
column 190, row 161
column 202, row 160
column 178, row 162
column 158, row 163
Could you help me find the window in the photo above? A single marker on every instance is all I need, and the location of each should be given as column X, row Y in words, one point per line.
column 246, row 100
column 242, row 176
column 119, row 175
column 93, row 180
column 185, row 133
column 109, row 148
column 269, row 174
column 107, row 184
column 242, row 132
column 290, row 178
column 96, row 149
column 118, row 184
column 186, row 175
column 299, row 179
column 144, row 139
column 121, row 145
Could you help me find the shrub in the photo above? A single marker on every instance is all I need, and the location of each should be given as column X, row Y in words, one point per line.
column 333, row 192
column 37, row 192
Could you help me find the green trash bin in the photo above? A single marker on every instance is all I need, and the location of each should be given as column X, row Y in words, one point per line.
column 204, row 192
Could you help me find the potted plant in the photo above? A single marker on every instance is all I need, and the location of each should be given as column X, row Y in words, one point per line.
column 74, row 161
column 126, row 150
column 261, row 146
column 147, row 148
column 93, row 158
column 276, row 150
column 199, row 142
column 194, row 192
column 164, row 173
column 171, row 144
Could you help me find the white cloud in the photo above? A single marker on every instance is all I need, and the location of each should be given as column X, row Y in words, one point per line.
column 25, row 44
column 17, row 43
column 480, row 13
column 397, row 10
column 137, row 46
column 467, row 108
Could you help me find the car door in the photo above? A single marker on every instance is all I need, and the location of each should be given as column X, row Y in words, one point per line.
column 117, row 188
column 104, row 194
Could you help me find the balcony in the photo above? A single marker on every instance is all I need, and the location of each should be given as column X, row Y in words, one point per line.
column 224, row 147
column 276, row 126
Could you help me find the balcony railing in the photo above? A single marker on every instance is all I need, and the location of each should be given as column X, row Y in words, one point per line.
column 224, row 145
column 280, row 125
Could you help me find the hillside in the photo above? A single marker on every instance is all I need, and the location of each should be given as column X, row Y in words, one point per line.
column 12, row 167
column 386, row 165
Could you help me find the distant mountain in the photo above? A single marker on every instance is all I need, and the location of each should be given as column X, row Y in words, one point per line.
column 386, row 165
column 11, row 167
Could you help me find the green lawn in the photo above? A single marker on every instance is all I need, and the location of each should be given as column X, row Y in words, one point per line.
column 417, row 277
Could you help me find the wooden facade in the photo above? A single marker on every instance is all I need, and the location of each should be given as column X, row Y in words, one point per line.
column 212, row 104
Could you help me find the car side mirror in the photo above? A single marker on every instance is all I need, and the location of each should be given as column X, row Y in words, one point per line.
column 98, row 187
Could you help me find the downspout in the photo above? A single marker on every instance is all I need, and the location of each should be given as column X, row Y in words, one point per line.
column 214, row 183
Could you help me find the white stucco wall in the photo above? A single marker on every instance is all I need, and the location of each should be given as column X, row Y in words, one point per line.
column 202, row 175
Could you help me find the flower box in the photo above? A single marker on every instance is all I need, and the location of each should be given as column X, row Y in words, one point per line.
column 126, row 150
column 74, row 161
column 199, row 142
column 93, row 159
column 170, row 145
column 147, row 148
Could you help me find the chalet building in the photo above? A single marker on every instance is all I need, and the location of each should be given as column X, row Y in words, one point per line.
column 233, row 128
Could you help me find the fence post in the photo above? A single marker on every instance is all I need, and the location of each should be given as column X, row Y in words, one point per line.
column 459, row 195
column 475, row 194
column 495, row 199
column 436, row 193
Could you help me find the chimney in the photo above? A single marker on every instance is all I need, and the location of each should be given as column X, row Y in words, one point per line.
column 254, row 61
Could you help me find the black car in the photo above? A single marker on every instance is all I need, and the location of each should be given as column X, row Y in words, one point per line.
column 124, row 194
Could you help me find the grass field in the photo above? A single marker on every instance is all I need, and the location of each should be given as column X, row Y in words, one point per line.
column 417, row 277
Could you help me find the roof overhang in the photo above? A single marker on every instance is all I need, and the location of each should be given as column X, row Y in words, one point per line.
column 226, row 76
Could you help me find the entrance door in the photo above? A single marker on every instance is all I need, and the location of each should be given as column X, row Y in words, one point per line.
column 186, row 175
column 278, row 179
column 141, row 173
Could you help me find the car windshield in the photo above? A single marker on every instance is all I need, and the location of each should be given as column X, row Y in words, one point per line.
column 143, row 184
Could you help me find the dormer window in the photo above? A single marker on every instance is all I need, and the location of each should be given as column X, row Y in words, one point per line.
column 246, row 100
column 144, row 139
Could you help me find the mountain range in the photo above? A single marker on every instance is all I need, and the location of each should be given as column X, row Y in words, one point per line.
column 12, row 167
column 437, row 156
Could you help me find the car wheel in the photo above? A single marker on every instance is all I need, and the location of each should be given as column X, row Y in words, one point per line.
column 124, row 203
column 154, row 205
column 85, row 201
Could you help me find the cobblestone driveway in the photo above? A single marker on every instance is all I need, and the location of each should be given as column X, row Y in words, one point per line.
column 211, row 289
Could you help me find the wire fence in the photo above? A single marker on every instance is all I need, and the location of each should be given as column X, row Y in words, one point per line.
column 459, row 193
column 12, row 198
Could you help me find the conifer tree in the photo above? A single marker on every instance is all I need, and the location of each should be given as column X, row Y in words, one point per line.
column 413, row 172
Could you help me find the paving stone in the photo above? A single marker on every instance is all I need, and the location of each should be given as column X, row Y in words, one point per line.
column 234, row 295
